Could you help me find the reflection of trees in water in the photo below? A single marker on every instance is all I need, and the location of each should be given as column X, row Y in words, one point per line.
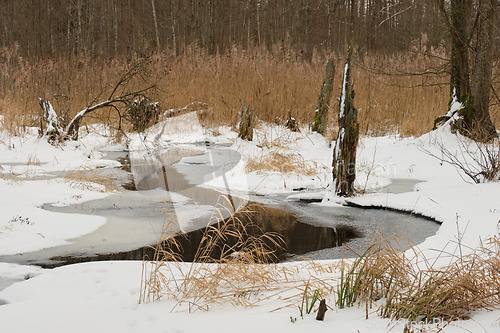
column 299, row 238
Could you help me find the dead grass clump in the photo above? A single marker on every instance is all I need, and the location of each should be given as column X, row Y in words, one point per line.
column 283, row 161
column 472, row 282
column 232, row 266
column 449, row 293
column 372, row 275
column 229, row 264
column 33, row 160
column 86, row 179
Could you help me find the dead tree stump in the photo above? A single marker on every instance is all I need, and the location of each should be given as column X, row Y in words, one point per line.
column 344, row 154
column 291, row 123
column 246, row 124
column 52, row 125
column 321, row 114
column 321, row 310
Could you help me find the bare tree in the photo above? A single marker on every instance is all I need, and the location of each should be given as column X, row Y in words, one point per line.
column 483, row 66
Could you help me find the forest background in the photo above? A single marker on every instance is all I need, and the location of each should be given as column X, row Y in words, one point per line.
column 218, row 54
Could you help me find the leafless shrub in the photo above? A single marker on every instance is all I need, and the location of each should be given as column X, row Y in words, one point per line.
column 479, row 161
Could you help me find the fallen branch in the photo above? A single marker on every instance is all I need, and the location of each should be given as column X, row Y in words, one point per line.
column 119, row 97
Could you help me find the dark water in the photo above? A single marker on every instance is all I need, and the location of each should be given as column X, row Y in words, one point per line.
column 290, row 238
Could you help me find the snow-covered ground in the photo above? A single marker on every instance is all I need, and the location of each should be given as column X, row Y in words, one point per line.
column 103, row 296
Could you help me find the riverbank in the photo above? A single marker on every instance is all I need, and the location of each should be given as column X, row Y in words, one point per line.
column 103, row 296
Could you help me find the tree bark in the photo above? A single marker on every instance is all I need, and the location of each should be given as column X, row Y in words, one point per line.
column 482, row 75
column 321, row 114
column 460, row 12
column 344, row 154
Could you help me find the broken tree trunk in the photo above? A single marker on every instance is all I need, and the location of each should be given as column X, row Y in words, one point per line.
column 321, row 114
column 71, row 130
column 344, row 154
column 52, row 125
column 246, row 124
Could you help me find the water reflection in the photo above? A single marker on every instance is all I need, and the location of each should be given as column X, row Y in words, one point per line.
column 299, row 238
column 160, row 169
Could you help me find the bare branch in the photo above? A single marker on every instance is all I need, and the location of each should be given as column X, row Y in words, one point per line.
column 476, row 160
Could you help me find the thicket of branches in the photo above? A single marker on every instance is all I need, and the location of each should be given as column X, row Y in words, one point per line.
column 111, row 27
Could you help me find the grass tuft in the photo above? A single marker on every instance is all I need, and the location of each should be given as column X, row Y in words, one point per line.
column 283, row 161
column 229, row 264
column 86, row 179
column 451, row 292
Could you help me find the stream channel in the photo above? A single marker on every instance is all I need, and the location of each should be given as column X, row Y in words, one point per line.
column 163, row 190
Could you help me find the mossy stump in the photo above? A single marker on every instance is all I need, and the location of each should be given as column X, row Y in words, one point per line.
column 321, row 114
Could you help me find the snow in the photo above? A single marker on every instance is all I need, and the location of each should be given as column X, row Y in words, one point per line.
column 50, row 116
column 337, row 150
column 455, row 106
column 103, row 296
column 344, row 92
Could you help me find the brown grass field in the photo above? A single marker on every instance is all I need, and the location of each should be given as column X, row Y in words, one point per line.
column 392, row 94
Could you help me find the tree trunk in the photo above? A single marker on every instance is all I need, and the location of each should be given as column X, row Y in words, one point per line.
column 344, row 154
column 460, row 12
column 321, row 114
column 483, row 127
column 155, row 21
column 472, row 91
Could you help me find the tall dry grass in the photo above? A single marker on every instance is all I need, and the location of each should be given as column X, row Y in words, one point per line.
column 404, row 291
column 383, row 278
column 272, row 83
column 238, row 259
column 232, row 266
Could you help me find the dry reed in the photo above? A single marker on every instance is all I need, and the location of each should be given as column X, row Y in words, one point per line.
column 284, row 161
column 87, row 179
column 232, row 266
column 272, row 83
column 451, row 292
